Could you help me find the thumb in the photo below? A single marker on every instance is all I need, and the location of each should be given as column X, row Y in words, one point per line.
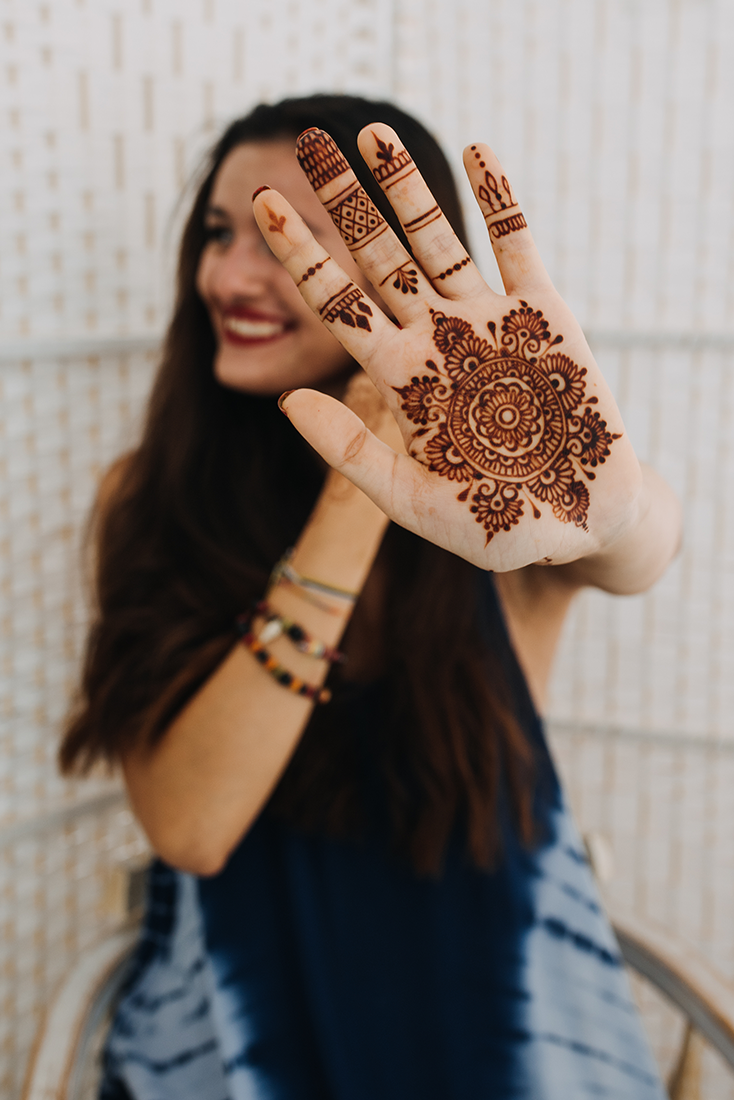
column 391, row 480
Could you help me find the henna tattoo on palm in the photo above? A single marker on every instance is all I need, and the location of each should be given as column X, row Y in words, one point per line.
column 510, row 417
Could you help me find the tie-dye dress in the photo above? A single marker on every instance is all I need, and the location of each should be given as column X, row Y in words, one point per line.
column 320, row 969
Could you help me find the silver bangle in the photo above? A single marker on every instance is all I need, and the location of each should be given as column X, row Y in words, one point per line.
column 284, row 570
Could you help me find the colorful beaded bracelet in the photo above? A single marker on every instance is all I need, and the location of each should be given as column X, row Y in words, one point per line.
column 281, row 674
column 277, row 624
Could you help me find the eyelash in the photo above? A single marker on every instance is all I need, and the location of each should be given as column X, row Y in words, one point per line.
column 220, row 233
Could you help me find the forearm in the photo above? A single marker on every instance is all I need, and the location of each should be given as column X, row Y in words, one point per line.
column 198, row 791
column 642, row 551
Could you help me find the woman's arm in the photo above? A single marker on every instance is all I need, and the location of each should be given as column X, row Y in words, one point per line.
column 199, row 789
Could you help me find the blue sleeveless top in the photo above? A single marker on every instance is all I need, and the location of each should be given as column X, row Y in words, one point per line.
column 317, row 969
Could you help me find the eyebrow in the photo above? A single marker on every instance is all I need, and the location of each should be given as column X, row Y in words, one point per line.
column 216, row 212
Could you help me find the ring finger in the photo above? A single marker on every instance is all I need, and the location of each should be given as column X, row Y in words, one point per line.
column 439, row 251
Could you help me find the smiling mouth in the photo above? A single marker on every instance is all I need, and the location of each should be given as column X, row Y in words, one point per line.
column 244, row 328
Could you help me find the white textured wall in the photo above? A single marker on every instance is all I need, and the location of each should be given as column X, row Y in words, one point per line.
column 614, row 121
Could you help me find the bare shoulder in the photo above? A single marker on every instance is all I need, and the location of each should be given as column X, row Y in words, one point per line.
column 535, row 601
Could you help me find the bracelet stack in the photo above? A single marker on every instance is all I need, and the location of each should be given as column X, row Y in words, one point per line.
column 280, row 673
column 310, row 589
column 277, row 625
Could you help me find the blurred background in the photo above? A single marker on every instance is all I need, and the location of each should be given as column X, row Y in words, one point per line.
column 615, row 122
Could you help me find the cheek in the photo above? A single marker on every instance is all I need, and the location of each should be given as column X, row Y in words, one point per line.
column 203, row 276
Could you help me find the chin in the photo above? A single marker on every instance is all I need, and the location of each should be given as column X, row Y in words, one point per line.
column 262, row 379
column 245, row 373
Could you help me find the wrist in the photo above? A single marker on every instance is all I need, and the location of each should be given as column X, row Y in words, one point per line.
column 342, row 537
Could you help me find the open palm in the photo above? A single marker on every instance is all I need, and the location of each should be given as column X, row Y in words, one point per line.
column 515, row 447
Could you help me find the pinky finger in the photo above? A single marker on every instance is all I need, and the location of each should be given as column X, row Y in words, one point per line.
column 518, row 259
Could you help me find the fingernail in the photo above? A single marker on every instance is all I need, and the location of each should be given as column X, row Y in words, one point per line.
column 283, row 397
column 256, row 193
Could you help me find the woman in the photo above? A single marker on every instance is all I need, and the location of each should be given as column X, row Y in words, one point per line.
column 377, row 889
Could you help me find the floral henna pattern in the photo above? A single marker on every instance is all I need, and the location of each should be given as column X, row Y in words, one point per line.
column 511, row 417
column 394, row 166
column 276, row 223
column 404, row 278
column 348, row 306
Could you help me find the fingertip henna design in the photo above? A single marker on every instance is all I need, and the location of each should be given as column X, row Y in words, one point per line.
column 320, row 157
column 351, row 209
column 499, row 198
column 510, row 418
column 394, row 167
column 276, row 223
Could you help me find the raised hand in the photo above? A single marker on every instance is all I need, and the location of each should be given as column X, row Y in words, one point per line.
column 516, row 450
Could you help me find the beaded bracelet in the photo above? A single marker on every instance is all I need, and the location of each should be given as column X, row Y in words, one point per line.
column 277, row 624
column 281, row 674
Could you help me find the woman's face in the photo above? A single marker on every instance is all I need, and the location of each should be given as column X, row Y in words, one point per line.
column 268, row 340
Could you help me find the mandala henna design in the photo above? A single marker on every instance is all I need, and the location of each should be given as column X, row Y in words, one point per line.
column 589, row 440
column 509, row 416
column 406, row 278
column 348, row 306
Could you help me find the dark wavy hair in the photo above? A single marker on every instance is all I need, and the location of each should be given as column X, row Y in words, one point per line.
column 219, row 487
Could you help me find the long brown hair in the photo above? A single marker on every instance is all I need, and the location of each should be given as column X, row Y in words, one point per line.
column 219, row 487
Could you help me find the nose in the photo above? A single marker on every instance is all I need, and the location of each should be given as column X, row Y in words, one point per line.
column 245, row 269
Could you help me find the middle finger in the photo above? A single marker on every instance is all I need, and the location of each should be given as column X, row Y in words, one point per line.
column 386, row 263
